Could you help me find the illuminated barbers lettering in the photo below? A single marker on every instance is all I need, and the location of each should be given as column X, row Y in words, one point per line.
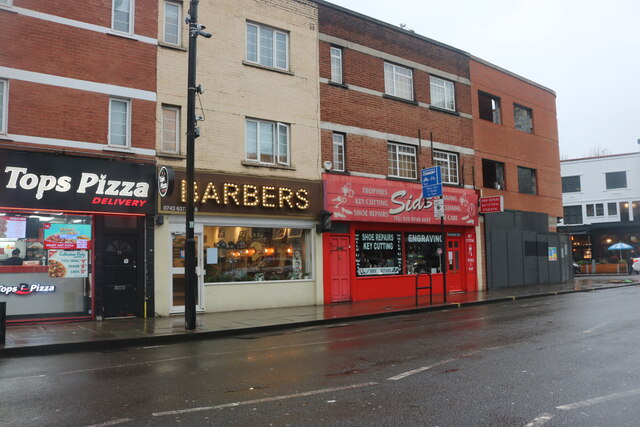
column 266, row 196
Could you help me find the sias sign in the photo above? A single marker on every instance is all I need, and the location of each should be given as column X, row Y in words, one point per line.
column 45, row 181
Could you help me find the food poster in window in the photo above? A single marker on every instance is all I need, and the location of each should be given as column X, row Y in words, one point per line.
column 13, row 227
column 470, row 251
column 68, row 263
column 67, row 236
column 378, row 253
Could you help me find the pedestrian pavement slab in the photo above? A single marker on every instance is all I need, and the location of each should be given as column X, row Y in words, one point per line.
column 49, row 338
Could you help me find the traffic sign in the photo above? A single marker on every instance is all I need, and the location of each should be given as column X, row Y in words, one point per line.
column 431, row 182
column 438, row 208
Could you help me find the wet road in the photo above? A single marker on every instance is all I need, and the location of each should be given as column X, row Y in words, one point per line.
column 563, row 360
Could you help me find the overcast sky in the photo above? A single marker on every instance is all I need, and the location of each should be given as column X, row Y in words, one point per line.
column 587, row 51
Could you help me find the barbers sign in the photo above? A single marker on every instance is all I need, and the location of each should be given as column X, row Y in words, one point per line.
column 45, row 181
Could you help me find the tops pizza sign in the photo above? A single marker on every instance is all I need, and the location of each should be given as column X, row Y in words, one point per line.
column 45, row 181
column 351, row 198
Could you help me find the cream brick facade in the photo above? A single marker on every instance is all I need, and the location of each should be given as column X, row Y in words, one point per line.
column 236, row 90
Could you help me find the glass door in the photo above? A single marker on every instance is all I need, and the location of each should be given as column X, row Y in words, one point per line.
column 179, row 281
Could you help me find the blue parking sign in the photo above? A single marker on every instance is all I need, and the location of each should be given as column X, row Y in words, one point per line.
column 431, row 182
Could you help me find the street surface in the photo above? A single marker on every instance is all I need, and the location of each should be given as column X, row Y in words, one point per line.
column 563, row 360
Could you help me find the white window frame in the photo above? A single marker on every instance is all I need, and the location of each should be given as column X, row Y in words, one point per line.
column 278, row 154
column 394, row 150
column 164, row 25
column 132, row 8
column 274, row 46
column 336, row 64
column 6, row 3
column 176, row 110
column 448, row 91
column 127, row 102
column 449, row 166
column 4, row 105
column 394, row 75
column 339, row 160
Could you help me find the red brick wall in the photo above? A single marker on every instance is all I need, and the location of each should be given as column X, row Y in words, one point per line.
column 504, row 143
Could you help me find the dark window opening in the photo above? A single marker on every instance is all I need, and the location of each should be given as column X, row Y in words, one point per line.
column 573, row 214
column 616, row 180
column 571, row 184
column 489, row 107
column 523, row 118
column 493, row 174
column 526, row 180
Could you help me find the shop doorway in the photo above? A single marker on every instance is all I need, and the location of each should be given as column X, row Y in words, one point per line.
column 454, row 278
column 339, row 261
column 179, row 281
column 120, row 275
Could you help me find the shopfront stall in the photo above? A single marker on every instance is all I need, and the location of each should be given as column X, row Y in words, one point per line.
column 255, row 240
column 72, row 236
column 384, row 233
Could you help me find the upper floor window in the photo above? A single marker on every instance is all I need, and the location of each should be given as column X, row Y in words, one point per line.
column 402, row 161
column 571, row 184
column 4, row 101
column 119, row 122
column 172, row 22
column 612, row 208
column 526, row 180
column 336, row 64
column 267, row 46
column 448, row 163
column 523, row 118
column 442, row 93
column 489, row 107
column 572, row 214
column 596, row 209
column 493, row 174
column 170, row 130
column 267, row 142
column 122, row 16
column 616, row 180
column 398, row 81
column 338, row 152
column 5, row 2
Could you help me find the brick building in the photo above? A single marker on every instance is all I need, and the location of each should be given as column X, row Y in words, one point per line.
column 77, row 154
column 517, row 158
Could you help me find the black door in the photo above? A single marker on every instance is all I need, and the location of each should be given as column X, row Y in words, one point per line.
column 120, row 276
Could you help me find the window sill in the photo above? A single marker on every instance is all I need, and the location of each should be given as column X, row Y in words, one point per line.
column 397, row 178
column 171, row 155
column 262, row 67
column 118, row 149
column 264, row 165
column 396, row 98
column 123, row 35
column 336, row 84
column 8, row 8
column 444, row 110
column 334, row 172
column 172, row 46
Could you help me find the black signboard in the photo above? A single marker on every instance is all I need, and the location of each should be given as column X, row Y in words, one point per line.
column 378, row 253
column 47, row 181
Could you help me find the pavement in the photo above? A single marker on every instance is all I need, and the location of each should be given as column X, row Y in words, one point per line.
column 52, row 338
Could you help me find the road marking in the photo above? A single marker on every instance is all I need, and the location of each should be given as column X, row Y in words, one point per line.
column 597, row 400
column 588, row 331
column 263, row 400
column 23, row 378
column 112, row 423
column 417, row 371
column 540, row 420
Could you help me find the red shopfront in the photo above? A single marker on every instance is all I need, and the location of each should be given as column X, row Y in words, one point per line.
column 384, row 233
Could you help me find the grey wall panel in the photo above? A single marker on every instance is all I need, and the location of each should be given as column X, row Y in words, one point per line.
column 515, row 253
column 555, row 266
column 498, row 260
column 543, row 258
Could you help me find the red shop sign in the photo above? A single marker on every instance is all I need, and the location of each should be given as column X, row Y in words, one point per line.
column 351, row 198
column 491, row 204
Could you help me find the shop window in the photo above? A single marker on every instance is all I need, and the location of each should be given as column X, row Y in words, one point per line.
column 378, row 253
column 573, row 214
column 422, row 252
column 122, row 18
column 571, row 184
column 255, row 254
column 635, row 206
column 172, row 22
column 489, row 107
column 616, row 180
column 523, row 118
column 624, row 211
column 267, row 46
column 402, row 161
column 526, row 180
column 493, row 174
column 448, row 163
column 442, row 93
column 336, row 65
column 398, row 81
column 44, row 264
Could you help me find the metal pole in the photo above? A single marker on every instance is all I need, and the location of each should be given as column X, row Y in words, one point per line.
column 190, row 244
column 444, row 255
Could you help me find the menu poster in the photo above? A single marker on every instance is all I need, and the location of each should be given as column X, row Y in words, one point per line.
column 13, row 227
column 67, row 236
column 68, row 264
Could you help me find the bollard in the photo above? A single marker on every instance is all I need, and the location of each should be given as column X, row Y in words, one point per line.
column 3, row 321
